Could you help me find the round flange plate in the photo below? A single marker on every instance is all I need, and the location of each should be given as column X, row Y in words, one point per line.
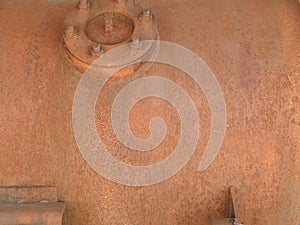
column 95, row 27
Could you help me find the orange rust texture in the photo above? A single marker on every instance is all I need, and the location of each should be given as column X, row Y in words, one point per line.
column 28, row 194
column 31, row 214
column 253, row 48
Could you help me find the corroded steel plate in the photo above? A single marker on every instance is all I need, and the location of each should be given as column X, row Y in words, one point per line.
column 95, row 27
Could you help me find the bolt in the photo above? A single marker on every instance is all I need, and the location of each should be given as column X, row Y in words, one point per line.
column 108, row 23
column 83, row 4
column 97, row 50
column 135, row 43
column 147, row 13
column 70, row 31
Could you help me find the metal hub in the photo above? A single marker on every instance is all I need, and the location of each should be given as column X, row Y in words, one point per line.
column 110, row 28
column 96, row 27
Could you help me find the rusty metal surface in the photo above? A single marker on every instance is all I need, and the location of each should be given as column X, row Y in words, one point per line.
column 30, row 205
column 223, row 222
column 95, row 27
column 31, row 214
column 252, row 47
column 28, row 194
column 232, row 210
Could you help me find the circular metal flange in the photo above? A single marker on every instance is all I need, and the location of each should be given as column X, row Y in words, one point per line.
column 95, row 27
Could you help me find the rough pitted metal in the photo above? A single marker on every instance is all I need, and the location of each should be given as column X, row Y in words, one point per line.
column 253, row 48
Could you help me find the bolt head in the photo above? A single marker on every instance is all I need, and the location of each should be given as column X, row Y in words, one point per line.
column 70, row 31
column 147, row 13
column 84, row 4
column 97, row 50
column 135, row 40
column 135, row 43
